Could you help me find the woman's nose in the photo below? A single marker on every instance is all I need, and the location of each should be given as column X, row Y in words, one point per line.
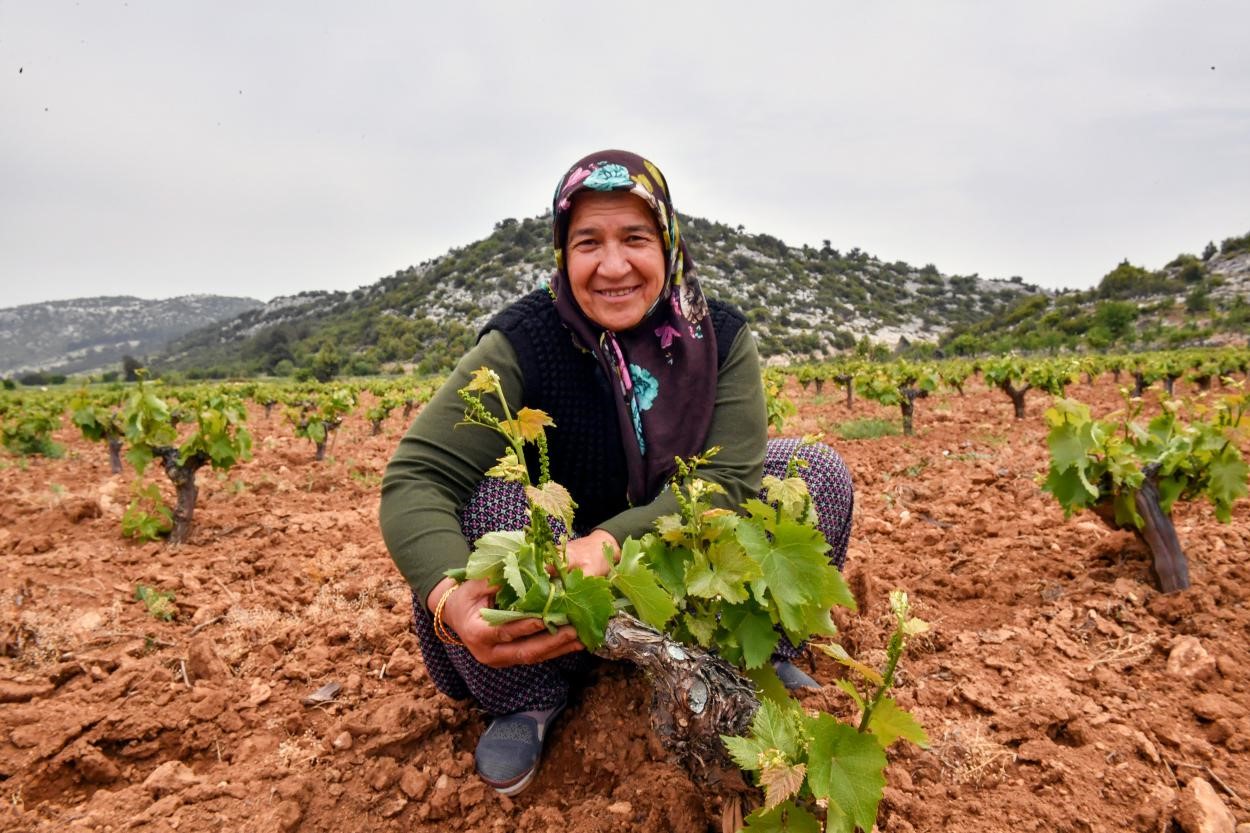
column 615, row 261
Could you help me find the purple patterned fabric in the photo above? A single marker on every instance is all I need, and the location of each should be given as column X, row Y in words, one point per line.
column 497, row 505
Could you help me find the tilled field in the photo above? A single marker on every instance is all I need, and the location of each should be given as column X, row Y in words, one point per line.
column 1060, row 691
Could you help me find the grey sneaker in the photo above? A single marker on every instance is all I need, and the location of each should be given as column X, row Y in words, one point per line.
column 791, row 677
column 509, row 750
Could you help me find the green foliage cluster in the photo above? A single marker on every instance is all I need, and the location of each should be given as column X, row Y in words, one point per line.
column 27, row 423
column 146, row 518
column 159, row 603
column 812, row 765
column 1107, row 461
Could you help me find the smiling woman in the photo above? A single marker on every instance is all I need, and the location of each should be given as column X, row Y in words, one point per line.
column 635, row 368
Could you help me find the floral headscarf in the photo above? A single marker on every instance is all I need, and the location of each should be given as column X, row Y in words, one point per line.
column 665, row 366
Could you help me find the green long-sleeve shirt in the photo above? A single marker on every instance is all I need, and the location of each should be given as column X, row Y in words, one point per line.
column 438, row 465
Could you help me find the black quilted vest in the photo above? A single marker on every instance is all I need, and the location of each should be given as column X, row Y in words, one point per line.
column 567, row 383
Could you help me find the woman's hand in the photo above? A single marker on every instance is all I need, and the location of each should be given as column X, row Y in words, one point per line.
column 524, row 642
column 587, row 553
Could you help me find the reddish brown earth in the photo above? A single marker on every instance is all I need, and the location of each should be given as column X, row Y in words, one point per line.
column 1059, row 689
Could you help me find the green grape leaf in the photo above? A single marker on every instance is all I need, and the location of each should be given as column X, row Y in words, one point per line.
column 848, row 688
column 753, row 630
column 786, row 817
column 1069, row 445
column 839, row 653
column 630, row 576
column 746, row 752
column 486, row 560
column 702, row 628
column 802, row 582
column 1071, row 489
column 791, row 493
column 1226, row 483
column 139, row 456
column 777, row 726
column 587, row 601
column 668, row 563
column 889, row 723
column 723, row 573
column 767, row 684
column 846, row 767
column 512, row 574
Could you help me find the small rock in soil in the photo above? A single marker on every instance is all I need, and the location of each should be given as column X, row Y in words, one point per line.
column 414, row 783
column 1201, row 811
column 322, row 695
column 1189, row 660
column 258, row 693
column 170, row 777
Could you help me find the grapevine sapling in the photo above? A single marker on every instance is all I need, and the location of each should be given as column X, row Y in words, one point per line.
column 817, row 772
column 1131, row 475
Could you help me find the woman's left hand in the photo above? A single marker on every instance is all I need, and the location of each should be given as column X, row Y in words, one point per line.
column 587, row 553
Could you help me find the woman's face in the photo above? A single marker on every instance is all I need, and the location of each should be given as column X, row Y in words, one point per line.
column 614, row 258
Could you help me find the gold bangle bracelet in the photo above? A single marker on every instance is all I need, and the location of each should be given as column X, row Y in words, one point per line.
column 441, row 630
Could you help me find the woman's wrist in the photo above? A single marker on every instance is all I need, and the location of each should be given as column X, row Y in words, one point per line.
column 436, row 595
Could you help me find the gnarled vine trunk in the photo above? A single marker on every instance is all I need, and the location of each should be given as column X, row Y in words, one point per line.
column 1160, row 536
column 115, row 455
column 697, row 698
column 182, row 475
column 1016, row 395
column 847, row 382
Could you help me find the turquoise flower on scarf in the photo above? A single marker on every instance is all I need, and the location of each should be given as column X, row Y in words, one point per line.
column 646, row 388
column 608, row 177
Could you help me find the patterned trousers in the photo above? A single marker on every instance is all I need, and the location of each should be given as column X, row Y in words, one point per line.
column 501, row 506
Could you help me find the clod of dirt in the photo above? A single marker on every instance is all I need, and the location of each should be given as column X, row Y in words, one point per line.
column 1201, row 811
column 81, row 509
column 203, row 662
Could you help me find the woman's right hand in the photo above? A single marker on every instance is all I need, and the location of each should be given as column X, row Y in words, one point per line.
column 524, row 642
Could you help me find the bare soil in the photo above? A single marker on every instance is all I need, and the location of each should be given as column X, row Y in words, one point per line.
column 1060, row 690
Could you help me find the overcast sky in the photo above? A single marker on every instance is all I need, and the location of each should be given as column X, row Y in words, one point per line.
column 160, row 148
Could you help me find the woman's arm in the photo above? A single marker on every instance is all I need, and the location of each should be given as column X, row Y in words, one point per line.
column 436, row 468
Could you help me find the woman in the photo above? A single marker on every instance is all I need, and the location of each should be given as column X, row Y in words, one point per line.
column 635, row 367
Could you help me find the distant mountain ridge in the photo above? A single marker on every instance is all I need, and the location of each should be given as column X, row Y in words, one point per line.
column 1191, row 300
column 86, row 335
column 802, row 302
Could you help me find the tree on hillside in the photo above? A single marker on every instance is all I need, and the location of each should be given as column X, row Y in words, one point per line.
column 130, row 368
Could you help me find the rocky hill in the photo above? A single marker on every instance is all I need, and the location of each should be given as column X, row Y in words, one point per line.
column 802, row 301
column 91, row 334
column 1193, row 299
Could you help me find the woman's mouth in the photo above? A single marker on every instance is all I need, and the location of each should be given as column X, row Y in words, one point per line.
column 617, row 293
